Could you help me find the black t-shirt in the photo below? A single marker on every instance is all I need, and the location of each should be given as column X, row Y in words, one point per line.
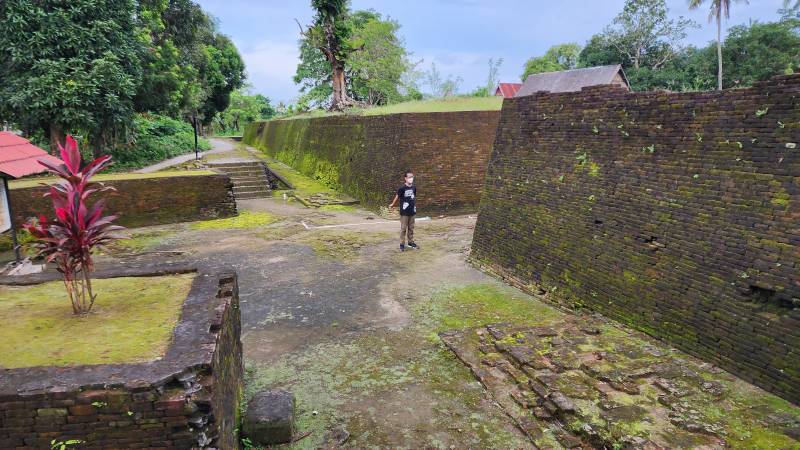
column 408, row 197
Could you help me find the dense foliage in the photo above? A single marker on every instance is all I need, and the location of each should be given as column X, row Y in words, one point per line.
column 69, row 239
column 244, row 108
column 69, row 66
column 374, row 57
column 87, row 67
column 558, row 57
column 649, row 46
column 155, row 138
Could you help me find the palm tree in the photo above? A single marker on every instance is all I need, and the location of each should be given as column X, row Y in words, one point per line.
column 719, row 8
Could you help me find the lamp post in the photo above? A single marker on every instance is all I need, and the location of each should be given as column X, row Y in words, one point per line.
column 194, row 125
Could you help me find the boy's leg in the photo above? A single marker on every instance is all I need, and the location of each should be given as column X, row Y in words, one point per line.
column 410, row 232
column 403, row 228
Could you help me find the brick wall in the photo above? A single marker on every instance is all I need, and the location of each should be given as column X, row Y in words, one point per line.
column 188, row 399
column 146, row 201
column 678, row 214
column 366, row 155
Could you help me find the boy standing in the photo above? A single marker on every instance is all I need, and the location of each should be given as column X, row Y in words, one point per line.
column 407, row 194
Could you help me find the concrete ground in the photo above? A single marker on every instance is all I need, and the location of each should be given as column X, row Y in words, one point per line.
column 334, row 312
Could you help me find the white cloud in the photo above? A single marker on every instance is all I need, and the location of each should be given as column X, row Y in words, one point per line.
column 270, row 68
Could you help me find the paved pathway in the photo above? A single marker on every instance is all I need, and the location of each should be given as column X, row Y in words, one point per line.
column 218, row 145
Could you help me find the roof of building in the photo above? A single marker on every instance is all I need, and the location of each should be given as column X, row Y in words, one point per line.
column 507, row 90
column 18, row 157
column 570, row 80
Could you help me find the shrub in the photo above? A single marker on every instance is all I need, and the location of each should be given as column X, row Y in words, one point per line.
column 68, row 239
column 155, row 139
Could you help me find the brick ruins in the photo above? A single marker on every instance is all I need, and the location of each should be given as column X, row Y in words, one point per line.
column 674, row 213
column 146, row 201
column 366, row 156
column 187, row 399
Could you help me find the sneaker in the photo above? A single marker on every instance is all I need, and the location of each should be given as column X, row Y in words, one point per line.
column 413, row 245
column 402, row 247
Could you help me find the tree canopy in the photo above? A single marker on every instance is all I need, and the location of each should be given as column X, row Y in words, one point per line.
column 69, row 65
column 374, row 66
column 751, row 52
column 86, row 67
column 558, row 57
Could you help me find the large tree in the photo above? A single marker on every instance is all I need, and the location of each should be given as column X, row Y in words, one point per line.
column 330, row 33
column 375, row 69
column 719, row 9
column 644, row 34
column 190, row 68
column 69, row 66
column 758, row 51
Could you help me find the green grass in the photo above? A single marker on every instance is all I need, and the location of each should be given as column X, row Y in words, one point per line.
column 247, row 219
column 481, row 304
column 36, row 181
column 302, row 185
column 449, row 104
column 131, row 321
column 440, row 105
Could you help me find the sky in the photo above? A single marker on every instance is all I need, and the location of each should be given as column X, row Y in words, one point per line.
column 459, row 36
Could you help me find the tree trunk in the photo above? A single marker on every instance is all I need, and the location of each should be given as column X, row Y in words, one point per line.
column 340, row 98
column 57, row 137
column 719, row 49
column 99, row 144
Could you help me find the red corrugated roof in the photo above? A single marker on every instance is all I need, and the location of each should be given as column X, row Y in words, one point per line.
column 18, row 157
column 507, row 90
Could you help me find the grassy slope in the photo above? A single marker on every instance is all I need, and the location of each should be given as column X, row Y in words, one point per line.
column 131, row 321
column 449, row 104
column 36, row 181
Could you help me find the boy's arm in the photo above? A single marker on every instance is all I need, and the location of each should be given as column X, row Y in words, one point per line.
column 394, row 200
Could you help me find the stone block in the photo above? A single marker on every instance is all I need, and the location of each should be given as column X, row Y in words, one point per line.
column 270, row 417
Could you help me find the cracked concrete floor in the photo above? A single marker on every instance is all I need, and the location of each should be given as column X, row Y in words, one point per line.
column 350, row 325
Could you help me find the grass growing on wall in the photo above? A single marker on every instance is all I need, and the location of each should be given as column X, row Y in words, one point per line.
column 449, row 104
column 104, row 177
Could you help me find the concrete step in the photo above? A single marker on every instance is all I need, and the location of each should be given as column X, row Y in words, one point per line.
column 250, row 189
column 236, row 164
column 255, row 184
column 249, row 195
column 242, row 173
column 249, row 179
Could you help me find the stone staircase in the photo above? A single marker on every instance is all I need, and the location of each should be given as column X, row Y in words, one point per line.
column 249, row 178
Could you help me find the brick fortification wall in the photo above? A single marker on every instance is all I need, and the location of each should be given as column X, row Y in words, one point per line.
column 365, row 156
column 678, row 214
column 188, row 399
column 145, row 201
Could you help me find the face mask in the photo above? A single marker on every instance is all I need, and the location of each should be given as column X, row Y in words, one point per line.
column 410, row 180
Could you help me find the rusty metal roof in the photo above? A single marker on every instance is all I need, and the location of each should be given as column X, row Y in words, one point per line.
column 570, row 80
column 507, row 90
column 18, row 157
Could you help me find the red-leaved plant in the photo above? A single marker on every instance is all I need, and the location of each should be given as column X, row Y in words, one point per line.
column 68, row 239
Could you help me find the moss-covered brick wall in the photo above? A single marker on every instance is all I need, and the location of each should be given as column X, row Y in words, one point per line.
column 365, row 156
column 187, row 399
column 675, row 213
column 145, row 201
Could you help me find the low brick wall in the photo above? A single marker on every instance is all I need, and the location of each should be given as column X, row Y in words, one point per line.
column 187, row 399
column 676, row 214
column 145, row 201
column 365, row 156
